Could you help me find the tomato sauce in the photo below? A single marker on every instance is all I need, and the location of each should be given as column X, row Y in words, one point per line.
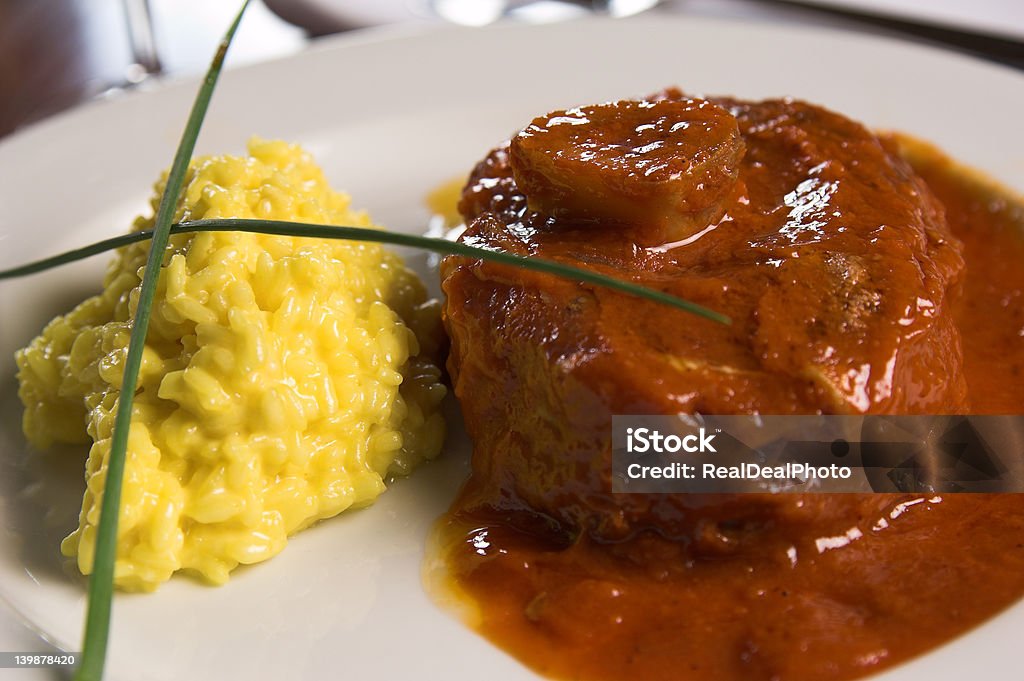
column 835, row 587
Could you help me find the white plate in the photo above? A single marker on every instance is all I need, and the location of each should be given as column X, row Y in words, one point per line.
column 999, row 18
column 391, row 115
column 1002, row 18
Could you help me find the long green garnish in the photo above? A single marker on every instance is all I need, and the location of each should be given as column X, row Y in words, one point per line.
column 443, row 246
column 101, row 583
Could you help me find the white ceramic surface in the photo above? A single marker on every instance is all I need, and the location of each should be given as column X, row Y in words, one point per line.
column 391, row 114
column 999, row 18
column 1002, row 18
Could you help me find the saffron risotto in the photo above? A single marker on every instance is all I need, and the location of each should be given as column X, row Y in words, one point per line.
column 284, row 380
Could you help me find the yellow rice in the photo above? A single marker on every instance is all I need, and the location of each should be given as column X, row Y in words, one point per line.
column 283, row 381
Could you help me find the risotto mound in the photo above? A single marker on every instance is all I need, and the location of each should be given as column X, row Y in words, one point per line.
column 284, row 380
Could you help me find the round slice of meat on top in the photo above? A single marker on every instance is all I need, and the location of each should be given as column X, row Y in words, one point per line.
column 660, row 171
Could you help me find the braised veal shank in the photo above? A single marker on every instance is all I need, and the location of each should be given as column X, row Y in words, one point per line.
column 830, row 255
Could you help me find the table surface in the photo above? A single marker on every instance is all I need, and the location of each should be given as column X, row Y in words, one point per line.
column 55, row 54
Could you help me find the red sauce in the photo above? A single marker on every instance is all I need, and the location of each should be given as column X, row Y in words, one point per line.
column 872, row 581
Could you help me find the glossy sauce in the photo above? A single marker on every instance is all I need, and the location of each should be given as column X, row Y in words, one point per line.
column 816, row 595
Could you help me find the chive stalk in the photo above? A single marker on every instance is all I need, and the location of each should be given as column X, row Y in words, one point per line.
column 442, row 246
column 101, row 582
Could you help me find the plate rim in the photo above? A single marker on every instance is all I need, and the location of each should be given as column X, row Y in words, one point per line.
column 390, row 34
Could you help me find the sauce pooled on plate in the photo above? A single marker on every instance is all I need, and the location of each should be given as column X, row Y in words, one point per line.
column 863, row 275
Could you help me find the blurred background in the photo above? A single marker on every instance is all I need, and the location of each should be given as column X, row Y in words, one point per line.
column 57, row 53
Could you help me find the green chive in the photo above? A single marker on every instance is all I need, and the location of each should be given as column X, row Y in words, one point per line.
column 76, row 254
column 443, row 246
column 101, row 583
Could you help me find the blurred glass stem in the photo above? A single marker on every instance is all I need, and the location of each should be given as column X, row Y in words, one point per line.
column 145, row 57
